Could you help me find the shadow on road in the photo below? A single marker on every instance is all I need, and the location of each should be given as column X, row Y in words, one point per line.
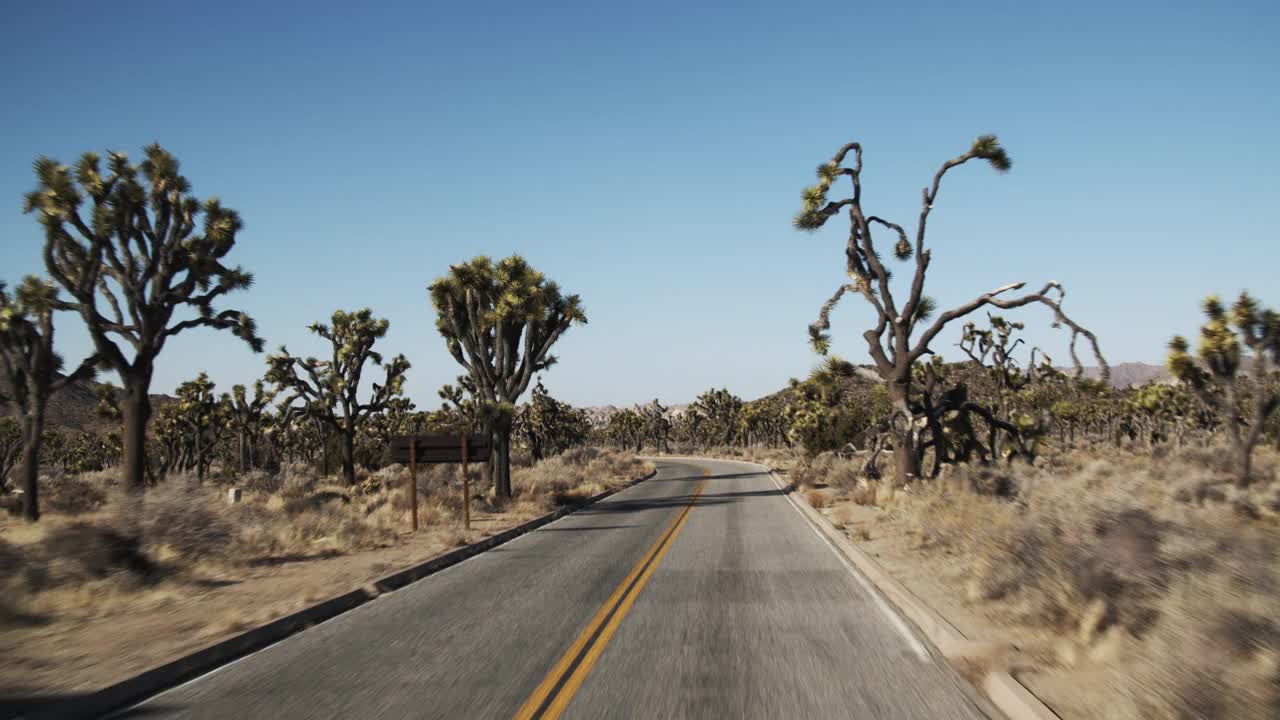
column 621, row 506
column 687, row 478
column 592, row 527
column 55, row 706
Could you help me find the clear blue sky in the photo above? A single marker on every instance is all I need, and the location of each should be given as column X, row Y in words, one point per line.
column 649, row 156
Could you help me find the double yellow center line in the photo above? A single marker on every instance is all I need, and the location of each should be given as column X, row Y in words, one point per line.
column 557, row 689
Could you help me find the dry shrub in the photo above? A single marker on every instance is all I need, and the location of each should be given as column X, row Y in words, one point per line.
column 580, row 456
column 189, row 524
column 75, row 494
column 521, row 458
column 1215, row 650
column 828, row 470
column 1159, row 551
column 81, row 551
column 817, row 498
column 865, row 492
column 574, row 476
column 260, row 481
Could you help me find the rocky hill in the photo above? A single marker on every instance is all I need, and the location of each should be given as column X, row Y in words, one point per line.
column 75, row 408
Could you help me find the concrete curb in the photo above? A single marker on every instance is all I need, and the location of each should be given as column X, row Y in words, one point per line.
column 1003, row 689
column 171, row 674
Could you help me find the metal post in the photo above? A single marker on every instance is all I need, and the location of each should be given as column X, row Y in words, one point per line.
column 413, row 479
column 466, row 487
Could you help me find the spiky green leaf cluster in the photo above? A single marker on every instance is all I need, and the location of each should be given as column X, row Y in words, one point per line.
column 499, row 322
column 813, row 213
column 987, row 147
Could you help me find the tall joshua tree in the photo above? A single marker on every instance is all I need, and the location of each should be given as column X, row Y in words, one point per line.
column 893, row 342
column 1244, row 399
column 31, row 369
column 499, row 322
column 133, row 248
column 329, row 389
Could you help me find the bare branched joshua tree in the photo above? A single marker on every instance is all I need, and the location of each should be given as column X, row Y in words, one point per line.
column 133, row 259
column 903, row 330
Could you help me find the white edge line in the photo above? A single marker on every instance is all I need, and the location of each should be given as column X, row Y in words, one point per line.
column 894, row 618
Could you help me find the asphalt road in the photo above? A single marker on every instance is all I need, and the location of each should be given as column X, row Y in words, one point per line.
column 650, row 604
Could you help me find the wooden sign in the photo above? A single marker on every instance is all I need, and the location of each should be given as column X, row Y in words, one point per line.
column 440, row 448
column 414, row 449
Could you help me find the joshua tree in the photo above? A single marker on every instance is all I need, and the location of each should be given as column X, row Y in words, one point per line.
column 1244, row 399
column 721, row 412
column 247, row 415
column 499, row 322
column 31, row 369
column 548, row 426
column 824, row 413
column 626, row 429
column 764, row 422
column 329, row 389
column 992, row 349
column 137, row 259
column 890, row 342
column 657, row 427
column 203, row 419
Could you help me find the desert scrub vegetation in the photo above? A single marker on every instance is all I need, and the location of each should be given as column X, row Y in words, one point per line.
column 1156, row 562
column 84, row 558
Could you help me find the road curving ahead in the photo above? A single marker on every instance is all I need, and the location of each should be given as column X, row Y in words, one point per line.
column 700, row 593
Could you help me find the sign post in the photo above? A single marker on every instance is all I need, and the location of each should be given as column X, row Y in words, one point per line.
column 413, row 483
column 466, row 488
column 467, row 448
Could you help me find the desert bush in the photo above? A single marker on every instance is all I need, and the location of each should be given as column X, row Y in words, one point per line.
column 186, row 523
column 1213, row 651
column 76, row 494
column 827, row 470
column 573, row 476
column 83, row 551
column 1091, row 545
column 581, row 455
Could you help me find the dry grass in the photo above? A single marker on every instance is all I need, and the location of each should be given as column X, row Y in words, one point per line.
column 1155, row 563
column 92, row 554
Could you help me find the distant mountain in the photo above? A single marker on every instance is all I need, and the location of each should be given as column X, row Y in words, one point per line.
column 1128, row 374
column 75, row 408
column 598, row 415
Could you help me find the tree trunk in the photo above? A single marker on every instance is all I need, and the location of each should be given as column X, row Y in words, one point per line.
column 905, row 459
column 348, row 457
column 137, row 411
column 199, row 456
column 501, row 462
column 243, row 448
column 33, row 435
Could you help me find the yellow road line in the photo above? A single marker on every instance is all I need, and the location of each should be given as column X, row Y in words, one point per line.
column 552, row 696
